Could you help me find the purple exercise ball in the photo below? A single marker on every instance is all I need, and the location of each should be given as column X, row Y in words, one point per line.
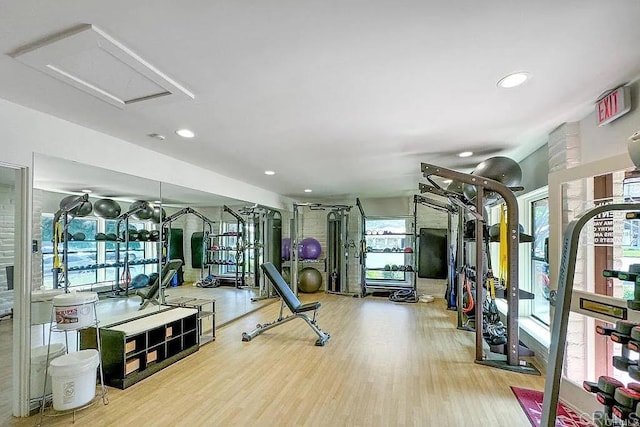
column 309, row 248
column 286, row 249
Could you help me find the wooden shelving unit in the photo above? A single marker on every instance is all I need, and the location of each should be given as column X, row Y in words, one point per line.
column 135, row 349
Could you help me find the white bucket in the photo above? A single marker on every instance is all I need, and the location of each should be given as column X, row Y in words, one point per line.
column 73, row 378
column 38, row 364
column 41, row 301
column 75, row 310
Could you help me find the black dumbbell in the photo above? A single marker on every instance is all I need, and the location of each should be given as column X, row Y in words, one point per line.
column 626, row 402
column 622, row 363
column 605, row 386
column 634, row 372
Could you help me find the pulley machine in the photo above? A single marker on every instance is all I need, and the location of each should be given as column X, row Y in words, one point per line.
column 336, row 263
column 264, row 240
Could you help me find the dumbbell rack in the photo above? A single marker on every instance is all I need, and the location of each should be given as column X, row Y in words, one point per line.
column 561, row 300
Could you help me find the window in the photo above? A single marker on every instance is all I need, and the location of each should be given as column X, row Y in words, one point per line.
column 539, row 266
column 86, row 254
column 81, row 254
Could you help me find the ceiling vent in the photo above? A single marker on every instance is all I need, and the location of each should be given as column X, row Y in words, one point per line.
column 89, row 59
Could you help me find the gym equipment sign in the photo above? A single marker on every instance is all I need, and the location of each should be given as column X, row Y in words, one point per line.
column 613, row 105
column 603, row 225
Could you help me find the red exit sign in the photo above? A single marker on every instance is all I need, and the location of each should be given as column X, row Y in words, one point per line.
column 613, row 105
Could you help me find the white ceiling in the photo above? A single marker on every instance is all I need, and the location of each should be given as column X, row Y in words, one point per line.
column 344, row 97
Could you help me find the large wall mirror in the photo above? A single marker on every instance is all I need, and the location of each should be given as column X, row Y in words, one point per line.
column 141, row 246
column 94, row 231
column 220, row 242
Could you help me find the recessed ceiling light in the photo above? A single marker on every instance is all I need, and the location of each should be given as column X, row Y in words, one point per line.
column 466, row 154
column 86, row 191
column 269, row 173
column 513, row 80
column 308, row 190
column 185, row 133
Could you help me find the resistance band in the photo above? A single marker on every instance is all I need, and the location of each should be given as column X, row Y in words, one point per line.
column 504, row 256
column 470, row 302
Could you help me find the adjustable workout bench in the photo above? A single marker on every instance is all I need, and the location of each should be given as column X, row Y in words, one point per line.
column 298, row 309
column 166, row 275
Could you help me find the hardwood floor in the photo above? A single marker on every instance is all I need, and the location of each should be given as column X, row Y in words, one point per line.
column 386, row 364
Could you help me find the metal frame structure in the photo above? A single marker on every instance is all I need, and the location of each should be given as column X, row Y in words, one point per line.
column 362, row 259
column 295, row 241
column 513, row 349
column 450, row 211
column 338, row 251
column 241, row 247
column 125, row 268
column 207, row 228
column 266, row 242
column 562, row 302
column 63, row 214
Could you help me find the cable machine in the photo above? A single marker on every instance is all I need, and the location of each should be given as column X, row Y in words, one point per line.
column 512, row 348
column 362, row 258
column 264, row 241
column 207, row 230
column 338, row 251
column 336, row 264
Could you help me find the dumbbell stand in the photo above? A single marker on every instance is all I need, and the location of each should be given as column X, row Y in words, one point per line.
column 562, row 303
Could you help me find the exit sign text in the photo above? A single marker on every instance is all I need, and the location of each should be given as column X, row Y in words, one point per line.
column 613, row 105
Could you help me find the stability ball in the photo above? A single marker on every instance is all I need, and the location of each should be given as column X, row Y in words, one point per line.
column 83, row 209
column 286, row 249
column 107, row 209
column 158, row 215
column 456, row 187
column 499, row 168
column 286, row 275
column 309, row 248
column 144, row 210
column 309, row 280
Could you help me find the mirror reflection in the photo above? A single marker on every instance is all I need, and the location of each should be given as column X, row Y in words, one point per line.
column 141, row 249
column 221, row 242
column 96, row 237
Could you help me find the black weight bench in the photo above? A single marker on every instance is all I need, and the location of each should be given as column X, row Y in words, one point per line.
column 298, row 309
column 150, row 295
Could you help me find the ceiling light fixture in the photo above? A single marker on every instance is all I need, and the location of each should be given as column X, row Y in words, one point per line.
column 466, row 154
column 269, row 173
column 513, row 80
column 185, row 133
column 308, row 190
column 86, row 191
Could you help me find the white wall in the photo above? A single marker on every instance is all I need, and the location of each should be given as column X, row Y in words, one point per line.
column 26, row 131
column 602, row 142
